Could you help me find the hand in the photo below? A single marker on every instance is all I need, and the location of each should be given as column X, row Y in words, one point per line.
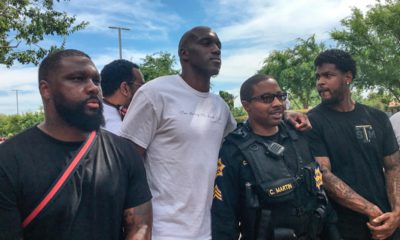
column 299, row 120
column 384, row 226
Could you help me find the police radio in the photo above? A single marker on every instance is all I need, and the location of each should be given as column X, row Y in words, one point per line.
column 275, row 149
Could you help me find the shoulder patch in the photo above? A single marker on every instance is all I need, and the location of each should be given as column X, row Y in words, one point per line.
column 220, row 168
column 217, row 193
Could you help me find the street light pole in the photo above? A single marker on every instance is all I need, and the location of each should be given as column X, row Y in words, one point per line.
column 16, row 96
column 119, row 38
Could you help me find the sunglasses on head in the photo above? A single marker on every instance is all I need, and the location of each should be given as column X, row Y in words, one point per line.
column 269, row 97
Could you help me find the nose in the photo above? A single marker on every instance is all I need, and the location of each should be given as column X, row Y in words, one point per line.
column 277, row 102
column 92, row 87
column 216, row 49
column 320, row 81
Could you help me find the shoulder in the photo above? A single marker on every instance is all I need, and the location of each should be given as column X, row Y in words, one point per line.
column 26, row 136
column 372, row 111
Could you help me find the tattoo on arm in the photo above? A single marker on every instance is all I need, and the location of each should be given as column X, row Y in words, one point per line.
column 138, row 222
column 341, row 192
column 392, row 174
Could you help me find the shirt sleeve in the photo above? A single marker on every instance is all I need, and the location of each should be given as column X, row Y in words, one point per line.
column 138, row 188
column 395, row 121
column 224, row 211
column 10, row 220
column 390, row 142
column 231, row 125
column 140, row 122
column 315, row 138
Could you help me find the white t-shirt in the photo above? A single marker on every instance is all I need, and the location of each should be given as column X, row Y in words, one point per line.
column 112, row 119
column 182, row 130
column 395, row 120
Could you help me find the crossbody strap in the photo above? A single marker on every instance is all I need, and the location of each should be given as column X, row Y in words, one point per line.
column 59, row 182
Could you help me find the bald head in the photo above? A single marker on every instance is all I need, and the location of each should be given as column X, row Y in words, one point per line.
column 191, row 36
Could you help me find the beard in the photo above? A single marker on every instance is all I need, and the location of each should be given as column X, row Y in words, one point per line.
column 77, row 116
column 337, row 96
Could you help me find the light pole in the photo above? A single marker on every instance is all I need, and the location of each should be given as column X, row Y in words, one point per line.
column 16, row 96
column 119, row 38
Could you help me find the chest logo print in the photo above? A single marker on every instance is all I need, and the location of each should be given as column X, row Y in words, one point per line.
column 365, row 133
column 220, row 168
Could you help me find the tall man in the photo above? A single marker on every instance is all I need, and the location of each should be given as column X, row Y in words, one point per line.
column 106, row 195
column 178, row 125
column 120, row 79
column 357, row 151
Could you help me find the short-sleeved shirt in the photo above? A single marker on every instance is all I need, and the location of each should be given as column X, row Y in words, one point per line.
column 182, row 130
column 110, row 179
column 395, row 120
column 356, row 143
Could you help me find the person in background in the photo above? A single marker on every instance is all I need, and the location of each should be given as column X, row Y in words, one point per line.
column 120, row 79
column 395, row 120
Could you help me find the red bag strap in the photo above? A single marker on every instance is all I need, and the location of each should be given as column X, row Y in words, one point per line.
column 61, row 180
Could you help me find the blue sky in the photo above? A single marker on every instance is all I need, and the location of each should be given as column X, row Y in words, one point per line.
column 249, row 31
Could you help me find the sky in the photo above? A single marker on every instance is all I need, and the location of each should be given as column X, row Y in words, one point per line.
column 248, row 29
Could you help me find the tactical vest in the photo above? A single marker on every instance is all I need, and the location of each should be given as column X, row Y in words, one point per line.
column 276, row 187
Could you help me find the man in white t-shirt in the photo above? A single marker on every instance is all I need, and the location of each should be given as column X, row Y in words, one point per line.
column 178, row 125
column 395, row 120
column 119, row 81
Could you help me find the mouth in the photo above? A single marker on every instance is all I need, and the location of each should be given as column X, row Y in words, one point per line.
column 278, row 113
column 216, row 60
column 323, row 92
column 93, row 103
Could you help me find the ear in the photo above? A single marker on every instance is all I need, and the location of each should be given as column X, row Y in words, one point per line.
column 44, row 89
column 246, row 105
column 124, row 88
column 183, row 54
column 348, row 77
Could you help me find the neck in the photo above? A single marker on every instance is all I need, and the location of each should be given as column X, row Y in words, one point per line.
column 346, row 105
column 263, row 130
column 114, row 100
column 62, row 131
column 197, row 81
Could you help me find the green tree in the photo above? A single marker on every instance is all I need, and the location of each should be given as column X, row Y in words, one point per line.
column 293, row 68
column 228, row 98
column 158, row 64
column 23, row 26
column 373, row 39
column 13, row 124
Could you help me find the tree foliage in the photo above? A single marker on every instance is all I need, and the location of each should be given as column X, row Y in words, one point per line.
column 158, row 64
column 13, row 124
column 373, row 39
column 25, row 23
column 228, row 98
column 293, row 68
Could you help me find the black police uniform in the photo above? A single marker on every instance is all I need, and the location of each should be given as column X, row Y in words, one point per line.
column 268, row 191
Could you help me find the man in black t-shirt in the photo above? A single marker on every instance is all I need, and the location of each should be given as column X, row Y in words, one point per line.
column 106, row 197
column 358, row 153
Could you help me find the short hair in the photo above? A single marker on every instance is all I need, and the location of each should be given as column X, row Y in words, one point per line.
column 190, row 36
column 51, row 61
column 114, row 73
column 246, row 90
column 341, row 59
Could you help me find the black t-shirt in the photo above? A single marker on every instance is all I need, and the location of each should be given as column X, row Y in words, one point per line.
column 356, row 143
column 110, row 179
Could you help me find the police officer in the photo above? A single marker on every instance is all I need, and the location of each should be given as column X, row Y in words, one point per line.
column 268, row 186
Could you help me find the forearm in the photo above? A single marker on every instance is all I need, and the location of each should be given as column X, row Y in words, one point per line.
column 392, row 175
column 138, row 222
column 345, row 195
